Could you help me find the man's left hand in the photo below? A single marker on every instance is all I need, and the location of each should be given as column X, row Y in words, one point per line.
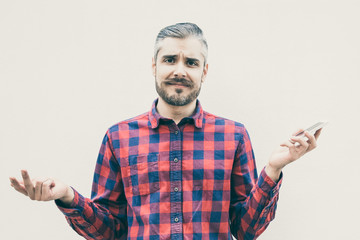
column 289, row 152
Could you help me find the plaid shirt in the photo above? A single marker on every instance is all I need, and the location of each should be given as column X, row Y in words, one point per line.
column 155, row 179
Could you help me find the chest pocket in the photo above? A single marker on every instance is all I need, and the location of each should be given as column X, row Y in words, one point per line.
column 142, row 175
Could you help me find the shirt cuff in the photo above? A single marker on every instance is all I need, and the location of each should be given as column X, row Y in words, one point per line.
column 75, row 208
column 267, row 185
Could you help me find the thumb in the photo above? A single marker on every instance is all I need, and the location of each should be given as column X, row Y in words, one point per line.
column 47, row 190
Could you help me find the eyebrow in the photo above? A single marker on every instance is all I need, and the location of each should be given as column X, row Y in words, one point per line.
column 169, row 56
column 175, row 56
column 193, row 59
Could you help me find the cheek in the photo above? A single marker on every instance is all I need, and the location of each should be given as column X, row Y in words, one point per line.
column 196, row 76
column 162, row 72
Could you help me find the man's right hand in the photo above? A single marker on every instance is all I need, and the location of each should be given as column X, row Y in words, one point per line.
column 45, row 189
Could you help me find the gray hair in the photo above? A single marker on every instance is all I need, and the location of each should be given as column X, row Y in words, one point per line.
column 181, row 30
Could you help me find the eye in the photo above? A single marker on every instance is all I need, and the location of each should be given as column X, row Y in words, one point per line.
column 192, row 63
column 169, row 60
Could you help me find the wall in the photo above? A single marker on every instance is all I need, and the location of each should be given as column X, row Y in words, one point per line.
column 71, row 69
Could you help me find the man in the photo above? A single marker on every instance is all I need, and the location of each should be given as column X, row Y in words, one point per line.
column 176, row 172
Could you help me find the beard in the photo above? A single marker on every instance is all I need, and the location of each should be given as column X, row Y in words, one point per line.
column 177, row 99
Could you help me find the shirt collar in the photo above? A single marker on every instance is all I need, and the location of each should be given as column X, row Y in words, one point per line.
column 155, row 117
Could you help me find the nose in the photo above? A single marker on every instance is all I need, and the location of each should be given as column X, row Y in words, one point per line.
column 180, row 71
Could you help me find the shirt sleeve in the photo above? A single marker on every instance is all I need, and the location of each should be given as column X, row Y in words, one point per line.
column 253, row 199
column 104, row 215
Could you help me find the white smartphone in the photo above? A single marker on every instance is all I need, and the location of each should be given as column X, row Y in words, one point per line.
column 311, row 130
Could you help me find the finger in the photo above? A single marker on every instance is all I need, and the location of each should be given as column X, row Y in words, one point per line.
column 17, row 186
column 311, row 141
column 298, row 132
column 300, row 141
column 317, row 133
column 38, row 188
column 289, row 144
column 291, row 141
column 46, row 190
column 28, row 184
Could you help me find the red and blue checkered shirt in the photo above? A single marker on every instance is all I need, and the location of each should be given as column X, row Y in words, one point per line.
column 155, row 179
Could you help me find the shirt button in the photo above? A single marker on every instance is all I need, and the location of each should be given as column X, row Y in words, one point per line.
column 176, row 132
column 176, row 219
column 176, row 189
column 176, row 159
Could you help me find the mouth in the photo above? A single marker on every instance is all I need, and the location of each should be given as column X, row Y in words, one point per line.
column 178, row 85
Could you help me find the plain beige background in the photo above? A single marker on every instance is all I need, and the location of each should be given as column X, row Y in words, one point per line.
column 71, row 69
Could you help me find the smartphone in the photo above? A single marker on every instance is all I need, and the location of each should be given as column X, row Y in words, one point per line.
column 311, row 130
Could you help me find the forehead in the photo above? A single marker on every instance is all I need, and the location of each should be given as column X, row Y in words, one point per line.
column 190, row 47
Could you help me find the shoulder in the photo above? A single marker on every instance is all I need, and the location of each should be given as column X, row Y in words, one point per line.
column 130, row 124
column 210, row 118
column 229, row 128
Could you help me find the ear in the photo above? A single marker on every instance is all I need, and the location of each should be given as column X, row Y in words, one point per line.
column 205, row 71
column 153, row 66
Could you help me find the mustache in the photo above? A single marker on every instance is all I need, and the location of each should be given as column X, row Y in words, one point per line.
column 181, row 81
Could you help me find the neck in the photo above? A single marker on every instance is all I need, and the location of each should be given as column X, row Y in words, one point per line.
column 175, row 113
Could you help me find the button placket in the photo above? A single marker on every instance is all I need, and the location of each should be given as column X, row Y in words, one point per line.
column 175, row 179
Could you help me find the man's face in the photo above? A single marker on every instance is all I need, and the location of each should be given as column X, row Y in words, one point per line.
column 179, row 70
